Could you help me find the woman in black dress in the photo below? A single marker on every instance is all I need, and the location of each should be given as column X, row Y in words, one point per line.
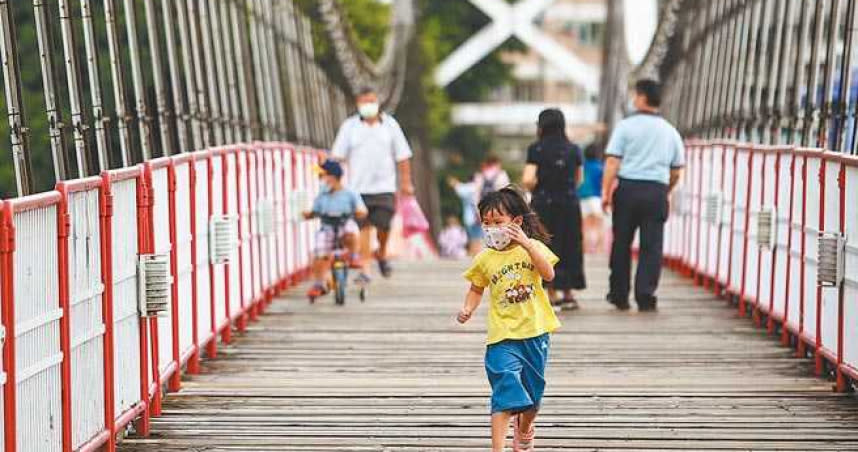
column 552, row 174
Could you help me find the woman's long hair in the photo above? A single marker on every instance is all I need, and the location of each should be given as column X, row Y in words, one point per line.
column 509, row 201
column 552, row 123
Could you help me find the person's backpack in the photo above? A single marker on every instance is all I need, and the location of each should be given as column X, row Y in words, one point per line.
column 556, row 167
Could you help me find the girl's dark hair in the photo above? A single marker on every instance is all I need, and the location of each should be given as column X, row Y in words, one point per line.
column 510, row 201
column 552, row 123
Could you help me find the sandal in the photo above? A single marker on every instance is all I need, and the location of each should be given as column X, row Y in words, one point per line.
column 570, row 304
column 522, row 442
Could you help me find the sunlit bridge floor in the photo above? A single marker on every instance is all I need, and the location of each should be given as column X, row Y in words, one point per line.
column 398, row 374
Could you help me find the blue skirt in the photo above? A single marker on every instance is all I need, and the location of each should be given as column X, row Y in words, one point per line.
column 516, row 371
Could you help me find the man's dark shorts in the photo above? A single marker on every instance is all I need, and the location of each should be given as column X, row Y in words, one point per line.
column 381, row 208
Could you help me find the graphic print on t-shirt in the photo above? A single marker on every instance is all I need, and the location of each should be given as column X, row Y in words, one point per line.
column 514, row 289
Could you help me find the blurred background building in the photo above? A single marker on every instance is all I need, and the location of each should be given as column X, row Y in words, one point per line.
column 541, row 78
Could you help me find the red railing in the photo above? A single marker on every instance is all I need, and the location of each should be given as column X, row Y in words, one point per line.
column 717, row 234
column 79, row 361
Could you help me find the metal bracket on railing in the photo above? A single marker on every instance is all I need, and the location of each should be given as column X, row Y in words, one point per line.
column 714, row 207
column 766, row 229
column 831, row 259
column 154, row 284
column 223, row 240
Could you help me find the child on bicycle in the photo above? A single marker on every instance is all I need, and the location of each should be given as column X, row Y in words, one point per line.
column 337, row 207
column 520, row 319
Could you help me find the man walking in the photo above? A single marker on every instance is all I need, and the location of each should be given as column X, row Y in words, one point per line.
column 378, row 156
column 646, row 154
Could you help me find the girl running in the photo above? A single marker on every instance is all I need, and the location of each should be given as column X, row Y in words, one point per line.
column 513, row 267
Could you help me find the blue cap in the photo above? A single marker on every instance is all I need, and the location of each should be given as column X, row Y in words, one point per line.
column 332, row 168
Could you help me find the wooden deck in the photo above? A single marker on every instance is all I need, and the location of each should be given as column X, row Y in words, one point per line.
column 398, row 374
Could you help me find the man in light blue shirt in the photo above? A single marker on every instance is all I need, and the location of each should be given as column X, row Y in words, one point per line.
column 645, row 156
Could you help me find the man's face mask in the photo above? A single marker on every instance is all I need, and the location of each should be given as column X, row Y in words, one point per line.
column 368, row 110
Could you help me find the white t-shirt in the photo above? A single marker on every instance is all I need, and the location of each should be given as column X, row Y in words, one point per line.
column 371, row 153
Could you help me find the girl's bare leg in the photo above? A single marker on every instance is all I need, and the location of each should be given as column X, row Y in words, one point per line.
column 526, row 419
column 500, row 427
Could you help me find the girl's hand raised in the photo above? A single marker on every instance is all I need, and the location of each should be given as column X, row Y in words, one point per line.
column 517, row 234
column 464, row 316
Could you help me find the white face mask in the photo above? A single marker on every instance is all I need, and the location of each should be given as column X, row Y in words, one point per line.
column 630, row 106
column 496, row 237
column 368, row 110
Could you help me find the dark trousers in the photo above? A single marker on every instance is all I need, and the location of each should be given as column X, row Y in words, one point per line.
column 638, row 205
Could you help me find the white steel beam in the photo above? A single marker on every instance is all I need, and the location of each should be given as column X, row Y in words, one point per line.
column 515, row 20
column 519, row 113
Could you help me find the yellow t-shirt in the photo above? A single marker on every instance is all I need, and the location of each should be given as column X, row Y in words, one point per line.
column 519, row 307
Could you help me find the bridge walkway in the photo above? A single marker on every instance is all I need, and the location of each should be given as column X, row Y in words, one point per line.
column 398, row 374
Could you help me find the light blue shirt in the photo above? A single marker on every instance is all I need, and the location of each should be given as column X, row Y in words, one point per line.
column 649, row 146
column 339, row 203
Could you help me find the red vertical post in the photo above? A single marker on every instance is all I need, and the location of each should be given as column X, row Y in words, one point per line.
column 254, row 307
column 194, row 360
column 756, row 310
column 742, row 295
column 841, row 296
column 143, row 424
column 295, row 227
column 153, row 321
column 800, row 345
column 707, row 279
column 241, row 322
column 7, row 304
column 267, row 166
column 106, row 220
column 63, row 226
column 226, row 335
column 698, row 270
column 770, row 327
column 718, row 285
column 732, row 219
column 817, row 354
column 687, row 228
column 785, row 334
column 175, row 382
column 288, row 234
column 284, row 212
column 211, row 347
column 241, row 244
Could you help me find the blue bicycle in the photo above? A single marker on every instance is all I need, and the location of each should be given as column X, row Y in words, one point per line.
column 340, row 264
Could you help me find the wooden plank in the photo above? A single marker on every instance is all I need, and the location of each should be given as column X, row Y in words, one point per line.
column 398, row 374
